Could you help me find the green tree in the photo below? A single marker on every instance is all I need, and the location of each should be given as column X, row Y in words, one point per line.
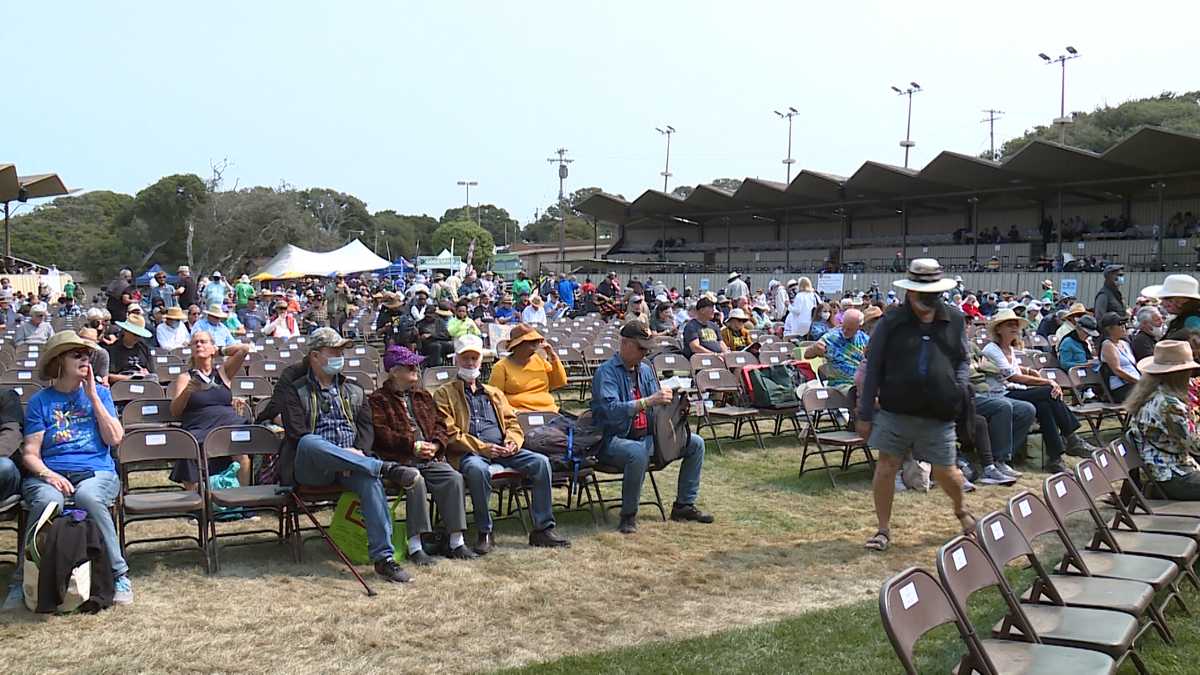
column 1107, row 125
column 492, row 218
column 461, row 232
column 337, row 213
column 401, row 233
column 74, row 233
column 545, row 229
column 162, row 221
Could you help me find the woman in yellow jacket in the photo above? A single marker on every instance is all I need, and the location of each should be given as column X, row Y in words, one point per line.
column 527, row 377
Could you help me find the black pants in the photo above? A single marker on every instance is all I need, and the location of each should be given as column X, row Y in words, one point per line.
column 1055, row 419
column 983, row 442
column 437, row 351
column 1183, row 488
column 1121, row 393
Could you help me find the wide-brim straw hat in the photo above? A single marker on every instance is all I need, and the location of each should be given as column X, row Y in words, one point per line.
column 733, row 275
column 1077, row 309
column 216, row 311
column 523, row 332
column 175, row 313
column 59, row 343
column 392, row 301
column 1175, row 286
column 1170, row 356
column 738, row 313
column 134, row 328
column 925, row 275
column 1003, row 315
column 871, row 313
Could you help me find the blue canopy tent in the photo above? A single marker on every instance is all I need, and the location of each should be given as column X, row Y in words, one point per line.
column 144, row 278
column 399, row 268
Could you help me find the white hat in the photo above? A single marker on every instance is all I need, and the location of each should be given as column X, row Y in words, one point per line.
column 733, row 275
column 738, row 313
column 925, row 276
column 1034, row 306
column 468, row 343
column 1175, row 286
column 418, row 288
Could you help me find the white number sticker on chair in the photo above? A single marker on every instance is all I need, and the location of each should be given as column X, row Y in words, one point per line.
column 1060, row 488
column 239, row 436
column 959, row 556
column 1087, row 473
column 997, row 531
column 25, row 375
column 536, row 420
column 137, row 388
column 714, row 375
column 822, row 394
column 150, row 410
column 245, row 385
column 443, row 375
column 908, row 595
column 1024, row 508
column 156, row 439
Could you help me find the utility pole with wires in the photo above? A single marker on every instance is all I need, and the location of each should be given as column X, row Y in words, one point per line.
column 562, row 162
column 992, row 116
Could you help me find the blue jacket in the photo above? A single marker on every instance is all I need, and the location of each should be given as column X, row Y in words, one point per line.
column 612, row 397
column 566, row 292
column 1071, row 352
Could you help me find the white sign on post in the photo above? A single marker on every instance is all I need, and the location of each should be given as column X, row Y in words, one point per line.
column 1069, row 287
column 830, row 283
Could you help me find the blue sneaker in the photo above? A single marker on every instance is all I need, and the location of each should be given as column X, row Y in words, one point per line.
column 124, row 591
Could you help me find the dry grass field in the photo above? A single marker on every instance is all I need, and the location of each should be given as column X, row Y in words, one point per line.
column 782, row 546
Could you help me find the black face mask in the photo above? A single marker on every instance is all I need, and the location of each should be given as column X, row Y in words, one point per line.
column 929, row 300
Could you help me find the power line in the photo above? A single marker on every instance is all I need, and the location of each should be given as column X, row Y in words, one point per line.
column 990, row 120
column 562, row 162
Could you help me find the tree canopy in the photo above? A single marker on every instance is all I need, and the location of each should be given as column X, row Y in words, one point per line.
column 459, row 234
column 497, row 221
column 1107, row 125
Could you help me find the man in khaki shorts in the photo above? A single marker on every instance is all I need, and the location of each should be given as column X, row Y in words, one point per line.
column 917, row 367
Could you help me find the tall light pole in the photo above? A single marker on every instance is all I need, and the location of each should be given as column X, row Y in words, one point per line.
column 907, row 143
column 562, row 162
column 666, row 173
column 468, row 184
column 792, row 112
column 1062, row 120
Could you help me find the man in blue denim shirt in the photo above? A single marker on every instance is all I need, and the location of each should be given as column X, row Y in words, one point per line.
column 624, row 394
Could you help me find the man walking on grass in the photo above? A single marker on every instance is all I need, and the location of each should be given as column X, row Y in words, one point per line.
column 917, row 366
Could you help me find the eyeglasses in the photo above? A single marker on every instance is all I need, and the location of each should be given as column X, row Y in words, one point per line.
column 80, row 354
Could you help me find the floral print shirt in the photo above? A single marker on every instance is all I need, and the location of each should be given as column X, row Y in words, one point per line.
column 1166, row 433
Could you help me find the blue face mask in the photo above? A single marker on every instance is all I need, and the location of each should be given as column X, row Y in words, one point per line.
column 333, row 365
column 1121, row 280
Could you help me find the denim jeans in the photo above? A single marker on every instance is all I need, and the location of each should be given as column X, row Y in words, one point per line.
column 319, row 462
column 632, row 457
column 10, row 478
column 535, row 467
column 94, row 495
column 1009, row 421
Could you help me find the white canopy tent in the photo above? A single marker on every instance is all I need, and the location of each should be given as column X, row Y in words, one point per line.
column 292, row 262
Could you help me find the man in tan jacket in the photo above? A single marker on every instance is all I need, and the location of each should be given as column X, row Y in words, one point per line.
column 484, row 437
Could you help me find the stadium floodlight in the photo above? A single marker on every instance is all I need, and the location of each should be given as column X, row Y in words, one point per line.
column 907, row 143
column 792, row 112
column 667, row 131
column 1062, row 121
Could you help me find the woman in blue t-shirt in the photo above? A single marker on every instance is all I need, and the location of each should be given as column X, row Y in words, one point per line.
column 70, row 429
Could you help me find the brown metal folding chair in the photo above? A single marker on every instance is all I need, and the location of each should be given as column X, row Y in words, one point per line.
column 822, row 407
column 155, row 446
column 235, row 441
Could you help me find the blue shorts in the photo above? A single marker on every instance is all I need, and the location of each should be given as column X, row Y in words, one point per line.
column 929, row 440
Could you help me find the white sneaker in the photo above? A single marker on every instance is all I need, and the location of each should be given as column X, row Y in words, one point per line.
column 1008, row 470
column 124, row 591
column 968, row 486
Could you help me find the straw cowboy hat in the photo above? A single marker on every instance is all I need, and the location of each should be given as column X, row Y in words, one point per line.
column 738, row 313
column 1046, row 283
column 1169, row 356
column 58, row 344
column 523, row 332
column 175, row 313
column 925, row 276
column 216, row 312
column 536, row 301
column 1175, row 286
column 871, row 313
column 1000, row 317
column 392, row 301
column 1076, row 309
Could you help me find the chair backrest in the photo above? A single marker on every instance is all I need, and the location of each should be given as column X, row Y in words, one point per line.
column 242, row 439
column 703, row 361
column 433, row 378
column 25, row 363
column 169, row 371
column 148, row 445
column 816, row 399
column 740, row 360
column 911, row 604
column 163, row 358
column 1002, row 540
column 598, row 353
column 1112, row 467
column 1083, row 380
column 26, row 391
column 964, row 568
column 20, row 376
column 1064, row 497
column 268, row 368
column 252, row 387
column 129, row 390
column 1057, row 376
column 675, row 363
column 531, row 420
column 362, row 362
column 1127, row 452
column 1030, row 515
column 718, row 379
column 774, row 358
column 1094, row 482
column 156, row 411
column 362, row 378
column 366, row 351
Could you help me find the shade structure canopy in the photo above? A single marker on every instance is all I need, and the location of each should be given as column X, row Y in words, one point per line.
column 144, row 278
column 14, row 188
column 1039, row 169
column 293, row 262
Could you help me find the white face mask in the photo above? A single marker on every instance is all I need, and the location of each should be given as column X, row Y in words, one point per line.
column 824, row 316
column 1159, row 331
column 468, row 374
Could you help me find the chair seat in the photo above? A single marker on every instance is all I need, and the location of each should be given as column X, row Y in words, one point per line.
column 1122, row 595
column 250, row 496
column 1170, row 546
column 1164, row 524
column 1026, row 658
column 316, row 493
column 841, row 438
column 732, row 411
column 10, row 503
column 1090, row 409
column 1170, row 507
column 1107, row 631
column 176, row 501
column 1158, row 573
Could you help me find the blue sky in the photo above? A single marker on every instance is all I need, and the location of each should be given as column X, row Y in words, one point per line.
column 396, row 101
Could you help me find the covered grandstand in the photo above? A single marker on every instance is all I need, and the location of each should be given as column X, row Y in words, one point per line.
column 1114, row 206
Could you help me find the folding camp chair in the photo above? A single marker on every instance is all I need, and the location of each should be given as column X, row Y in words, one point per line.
column 235, row 441
column 965, row 569
column 912, row 603
column 1004, row 542
column 578, row 372
column 822, row 408
column 157, row 446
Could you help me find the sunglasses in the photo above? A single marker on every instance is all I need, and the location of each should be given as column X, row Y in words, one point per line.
column 80, row 354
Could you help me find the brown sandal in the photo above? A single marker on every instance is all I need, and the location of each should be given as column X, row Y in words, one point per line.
column 879, row 541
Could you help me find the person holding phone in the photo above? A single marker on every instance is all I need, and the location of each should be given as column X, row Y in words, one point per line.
column 530, row 371
column 71, row 428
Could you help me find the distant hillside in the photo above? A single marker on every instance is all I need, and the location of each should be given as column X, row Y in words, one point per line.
column 1102, row 128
